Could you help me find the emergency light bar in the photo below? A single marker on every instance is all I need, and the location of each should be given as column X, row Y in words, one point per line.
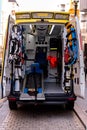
column 42, row 15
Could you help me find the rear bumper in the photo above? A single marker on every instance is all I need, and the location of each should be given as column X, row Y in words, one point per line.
column 49, row 99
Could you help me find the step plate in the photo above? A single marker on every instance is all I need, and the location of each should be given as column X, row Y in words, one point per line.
column 40, row 96
column 25, row 96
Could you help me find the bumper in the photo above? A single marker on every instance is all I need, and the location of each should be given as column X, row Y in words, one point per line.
column 50, row 99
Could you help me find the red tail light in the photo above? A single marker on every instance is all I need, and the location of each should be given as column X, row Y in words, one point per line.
column 71, row 99
column 12, row 98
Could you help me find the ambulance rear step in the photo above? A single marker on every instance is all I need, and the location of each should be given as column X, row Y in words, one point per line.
column 25, row 96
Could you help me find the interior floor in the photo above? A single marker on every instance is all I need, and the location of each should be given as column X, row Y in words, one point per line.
column 52, row 87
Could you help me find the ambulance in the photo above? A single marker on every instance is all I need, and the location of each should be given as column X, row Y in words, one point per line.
column 43, row 60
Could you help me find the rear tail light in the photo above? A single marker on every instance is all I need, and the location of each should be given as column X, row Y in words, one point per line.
column 12, row 98
column 71, row 99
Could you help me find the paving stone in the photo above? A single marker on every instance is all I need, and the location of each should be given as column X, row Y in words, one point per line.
column 40, row 118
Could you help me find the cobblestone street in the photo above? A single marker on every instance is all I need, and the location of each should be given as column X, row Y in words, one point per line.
column 38, row 118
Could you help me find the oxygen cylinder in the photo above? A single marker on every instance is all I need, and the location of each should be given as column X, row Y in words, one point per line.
column 17, row 85
column 17, row 81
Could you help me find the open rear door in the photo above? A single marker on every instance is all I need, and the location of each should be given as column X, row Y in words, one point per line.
column 78, row 67
column 5, row 76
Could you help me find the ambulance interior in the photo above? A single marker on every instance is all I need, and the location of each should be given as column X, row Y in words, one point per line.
column 44, row 64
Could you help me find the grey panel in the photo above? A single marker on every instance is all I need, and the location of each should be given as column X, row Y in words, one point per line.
column 52, row 88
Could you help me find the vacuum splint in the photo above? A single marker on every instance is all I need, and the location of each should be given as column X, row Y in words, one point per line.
column 71, row 51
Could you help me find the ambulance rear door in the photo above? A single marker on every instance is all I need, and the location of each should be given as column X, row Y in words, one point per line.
column 6, row 69
column 78, row 67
